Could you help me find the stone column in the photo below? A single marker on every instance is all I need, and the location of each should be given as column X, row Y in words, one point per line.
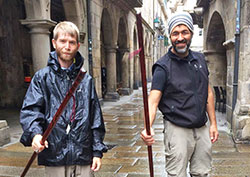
column 146, row 66
column 241, row 120
column 125, row 72
column 40, row 41
column 137, row 75
column 111, row 94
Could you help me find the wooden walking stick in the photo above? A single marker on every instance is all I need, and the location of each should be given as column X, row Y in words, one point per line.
column 57, row 115
column 144, row 89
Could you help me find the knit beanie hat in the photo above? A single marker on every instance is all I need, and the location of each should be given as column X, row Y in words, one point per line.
column 180, row 18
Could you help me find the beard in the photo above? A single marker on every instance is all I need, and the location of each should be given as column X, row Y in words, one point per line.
column 65, row 57
column 182, row 50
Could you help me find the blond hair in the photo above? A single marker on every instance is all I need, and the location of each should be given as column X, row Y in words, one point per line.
column 66, row 27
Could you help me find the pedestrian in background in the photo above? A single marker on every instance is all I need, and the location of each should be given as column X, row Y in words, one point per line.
column 75, row 146
column 180, row 88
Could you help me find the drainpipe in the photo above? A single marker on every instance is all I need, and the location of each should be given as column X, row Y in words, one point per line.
column 236, row 60
column 89, row 38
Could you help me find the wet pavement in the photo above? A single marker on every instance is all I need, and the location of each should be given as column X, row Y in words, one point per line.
column 127, row 155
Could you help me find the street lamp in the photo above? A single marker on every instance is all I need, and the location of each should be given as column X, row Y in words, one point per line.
column 157, row 22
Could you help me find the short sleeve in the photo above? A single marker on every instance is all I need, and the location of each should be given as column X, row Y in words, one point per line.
column 159, row 79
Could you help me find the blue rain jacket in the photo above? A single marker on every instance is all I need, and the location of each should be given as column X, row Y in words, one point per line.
column 83, row 113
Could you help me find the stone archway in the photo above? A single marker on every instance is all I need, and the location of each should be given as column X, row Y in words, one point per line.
column 108, row 58
column 216, row 52
column 75, row 11
column 122, row 62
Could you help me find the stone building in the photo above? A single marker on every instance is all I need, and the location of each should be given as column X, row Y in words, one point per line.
column 226, row 45
column 108, row 36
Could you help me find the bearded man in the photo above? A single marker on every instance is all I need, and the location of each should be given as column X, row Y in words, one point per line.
column 180, row 88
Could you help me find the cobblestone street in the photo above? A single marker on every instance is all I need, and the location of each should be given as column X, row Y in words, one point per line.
column 127, row 155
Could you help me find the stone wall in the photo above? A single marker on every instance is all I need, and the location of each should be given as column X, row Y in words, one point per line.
column 242, row 111
column 15, row 54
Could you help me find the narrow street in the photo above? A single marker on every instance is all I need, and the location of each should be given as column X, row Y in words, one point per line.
column 127, row 155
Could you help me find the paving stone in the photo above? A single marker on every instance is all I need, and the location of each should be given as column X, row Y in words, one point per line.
column 121, row 142
column 127, row 149
column 108, row 174
column 243, row 148
column 125, row 122
column 229, row 175
column 111, row 130
column 120, row 137
column 17, row 162
column 8, row 171
column 231, row 155
column 119, row 161
column 141, row 143
column 145, row 175
column 138, row 169
column 156, row 161
column 232, row 170
column 129, row 119
column 225, row 148
column 110, row 168
column 230, row 162
column 128, row 155
column 154, row 148
column 224, row 140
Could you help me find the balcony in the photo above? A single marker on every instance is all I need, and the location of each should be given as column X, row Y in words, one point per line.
column 128, row 5
column 199, row 10
column 134, row 3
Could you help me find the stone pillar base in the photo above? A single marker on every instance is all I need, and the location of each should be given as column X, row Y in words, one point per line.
column 124, row 91
column 111, row 96
column 4, row 133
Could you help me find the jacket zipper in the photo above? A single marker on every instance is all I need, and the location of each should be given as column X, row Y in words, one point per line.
column 70, row 148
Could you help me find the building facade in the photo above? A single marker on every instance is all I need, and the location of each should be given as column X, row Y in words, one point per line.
column 226, row 45
column 108, row 37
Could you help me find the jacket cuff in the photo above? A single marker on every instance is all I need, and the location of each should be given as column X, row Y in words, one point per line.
column 97, row 154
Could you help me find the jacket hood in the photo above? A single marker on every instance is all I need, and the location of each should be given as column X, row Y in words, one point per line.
column 55, row 65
